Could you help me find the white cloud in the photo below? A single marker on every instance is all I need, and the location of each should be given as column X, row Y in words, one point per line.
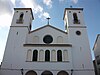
column 5, row 13
column 36, row 7
column 75, row 1
column 13, row 1
column 27, row 3
column 48, row 3
column 5, row 20
column 32, row 4
column 61, row 0
column 5, row 7
column 44, row 15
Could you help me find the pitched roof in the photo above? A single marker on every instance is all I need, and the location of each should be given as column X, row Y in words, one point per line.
column 48, row 26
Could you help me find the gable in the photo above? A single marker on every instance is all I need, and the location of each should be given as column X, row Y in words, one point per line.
column 50, row 27
column 37, row 36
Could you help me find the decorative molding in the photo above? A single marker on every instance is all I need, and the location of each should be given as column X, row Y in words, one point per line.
column 74, row 9
column 25, row 69
column 48, row 26
column 77, row 27
column 47, row 45
column 18, row 26
column 50, row 61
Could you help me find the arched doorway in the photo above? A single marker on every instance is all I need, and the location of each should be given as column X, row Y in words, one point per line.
column 47, row 73
column 62, row 73
column 31, row 72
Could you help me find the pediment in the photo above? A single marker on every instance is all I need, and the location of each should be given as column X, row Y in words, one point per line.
column 47, row 35
column 48, row 26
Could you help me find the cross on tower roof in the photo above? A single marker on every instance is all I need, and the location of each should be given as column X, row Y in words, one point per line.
column 48, row 20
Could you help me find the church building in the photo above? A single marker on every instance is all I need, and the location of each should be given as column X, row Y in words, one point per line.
column 47, row 50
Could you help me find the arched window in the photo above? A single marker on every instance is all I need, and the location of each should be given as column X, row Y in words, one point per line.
column 35, row 39
column 53, row 55
column 65, row 55
column 41, row 55
column 59, row 55
column 29, row 55
column 47, row 73
column 31, row 72
column 35, row 55
column 20, row 20
column 62, row 73
column 76, row 21
column 59, row 39
column 47, row 55
column 21, row 17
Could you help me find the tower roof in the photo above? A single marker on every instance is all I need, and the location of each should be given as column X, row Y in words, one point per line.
column 25, row 9
column 73, row 8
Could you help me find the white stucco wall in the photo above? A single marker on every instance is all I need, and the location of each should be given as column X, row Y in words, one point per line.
column 81, row 48
column 46, row 31
column 15, row 56
column 27, row 18
column 69, row 17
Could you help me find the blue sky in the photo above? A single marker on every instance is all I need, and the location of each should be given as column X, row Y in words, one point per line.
column 49, row 8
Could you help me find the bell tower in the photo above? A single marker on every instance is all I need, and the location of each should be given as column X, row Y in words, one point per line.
column 19, row 29
column 78, row 37
column 73, row 17
column 22, row 17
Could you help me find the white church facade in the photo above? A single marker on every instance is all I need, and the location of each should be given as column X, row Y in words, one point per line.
column 47, row 50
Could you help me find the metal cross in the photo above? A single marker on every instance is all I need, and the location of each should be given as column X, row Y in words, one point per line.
column 71, row 6
column 48, row 20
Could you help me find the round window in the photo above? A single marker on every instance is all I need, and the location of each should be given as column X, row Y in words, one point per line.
column 78, row 32
column 47, row 39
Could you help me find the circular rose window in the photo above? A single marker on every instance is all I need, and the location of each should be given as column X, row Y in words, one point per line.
column 78, row 32
column 47, row 39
